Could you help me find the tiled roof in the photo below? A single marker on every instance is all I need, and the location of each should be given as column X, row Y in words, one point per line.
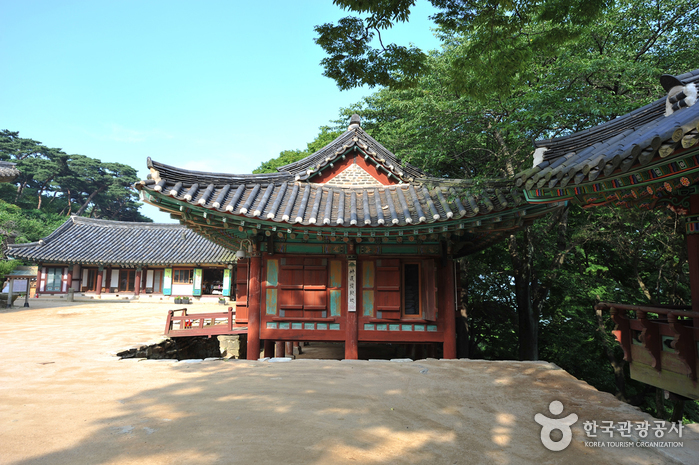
column 8, row 172
column 99, row 242
column 290, row 196
column 620, row 145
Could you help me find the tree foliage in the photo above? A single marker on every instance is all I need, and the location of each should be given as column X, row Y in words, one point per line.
column 324, row 137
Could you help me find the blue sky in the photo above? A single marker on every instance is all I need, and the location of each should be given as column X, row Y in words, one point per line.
column 211, row 85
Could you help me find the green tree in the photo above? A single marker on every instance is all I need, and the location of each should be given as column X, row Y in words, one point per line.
column 324, row 137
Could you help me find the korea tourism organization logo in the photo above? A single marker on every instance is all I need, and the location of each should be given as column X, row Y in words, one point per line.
column 605, row 433
column 549, row 425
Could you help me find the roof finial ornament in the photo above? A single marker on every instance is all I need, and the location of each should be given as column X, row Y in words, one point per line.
column 679, row 95
column 355, row 122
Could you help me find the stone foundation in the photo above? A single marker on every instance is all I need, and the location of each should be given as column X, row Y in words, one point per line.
column 233, row 346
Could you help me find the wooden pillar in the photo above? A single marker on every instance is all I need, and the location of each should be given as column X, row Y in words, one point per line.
column 109, row 279
column 693, row 257
column 289, row 349
column 352, row 337
column 9, row 295
column 137, row 282
column 38, row 281
column 100, row 272
column 269, row 348
column 254, row 307
column 447, row 299
column 69, row 278
column 279, row 349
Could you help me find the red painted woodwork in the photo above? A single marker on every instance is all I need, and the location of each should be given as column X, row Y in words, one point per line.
column 253, row 348
column 352, row 340
column 279, row 349
column 693, row 258
column 358, row 159
column 202, row 324
column 448, row 306
column 428, row 291
column 241, row 290
column 388, row 294
column 137, row 283
column 303, row 284
column 100, row 273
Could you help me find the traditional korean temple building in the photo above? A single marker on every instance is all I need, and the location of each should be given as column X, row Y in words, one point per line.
column 346, row 245
column 98, row 256
column 8, row 172
column 646, row 159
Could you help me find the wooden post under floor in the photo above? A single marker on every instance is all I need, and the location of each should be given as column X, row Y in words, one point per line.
column 447, row 298
column 289, row 348
column 254, row 307
column 279, row 349
column 268, row 348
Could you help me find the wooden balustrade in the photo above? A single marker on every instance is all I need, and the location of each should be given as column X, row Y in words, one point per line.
column 201, row 324
column 661, row 337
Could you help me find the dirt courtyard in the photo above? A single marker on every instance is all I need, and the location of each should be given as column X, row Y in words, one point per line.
column 66, row 399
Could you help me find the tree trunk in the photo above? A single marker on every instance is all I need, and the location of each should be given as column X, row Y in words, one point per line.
column 89, row 199
column 528, row 315
column 617, row 365
column 20, row 191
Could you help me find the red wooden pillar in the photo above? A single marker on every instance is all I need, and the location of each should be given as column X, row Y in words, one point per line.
column 254, row 307
column 279, row 349
column 289, row 348
column 447, row 299
column 100, row 272
column 693, row 258
column 137, row 282
column 269, row 348
column 352, row 337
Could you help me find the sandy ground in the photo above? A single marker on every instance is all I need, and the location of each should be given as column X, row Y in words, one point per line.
column 64, row 399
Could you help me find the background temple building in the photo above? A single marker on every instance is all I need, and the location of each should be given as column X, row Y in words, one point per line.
column 96, row 256
column 646, row 159
column 346, row 245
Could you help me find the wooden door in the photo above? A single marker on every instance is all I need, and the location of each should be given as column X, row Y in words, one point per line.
column 157, row 281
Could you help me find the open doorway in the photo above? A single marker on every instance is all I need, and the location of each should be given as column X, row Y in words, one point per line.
column 212, row 281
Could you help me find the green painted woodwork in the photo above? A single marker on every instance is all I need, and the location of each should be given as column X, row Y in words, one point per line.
column 382, row 327
column 368, row 274
column 309, row 326
column 431, row 328
column 296, row 325
column 406, row 327
column 335, row 273
column 335, row 326
column 369, row 327
column 167, row 281
column 271, row 302
column 368, row 303
column 272, row 272
column 394, row 327
column 419, row 327
column 196, row 290
column 335, row 302
column 321, row 326
column 226, row 282
column 285, row 325
column 271, row 325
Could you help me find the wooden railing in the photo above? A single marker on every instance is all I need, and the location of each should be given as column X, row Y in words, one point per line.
column 663, row 337
column 201, row 324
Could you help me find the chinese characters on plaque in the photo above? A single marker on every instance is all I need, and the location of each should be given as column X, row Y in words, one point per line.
column 352, row 285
